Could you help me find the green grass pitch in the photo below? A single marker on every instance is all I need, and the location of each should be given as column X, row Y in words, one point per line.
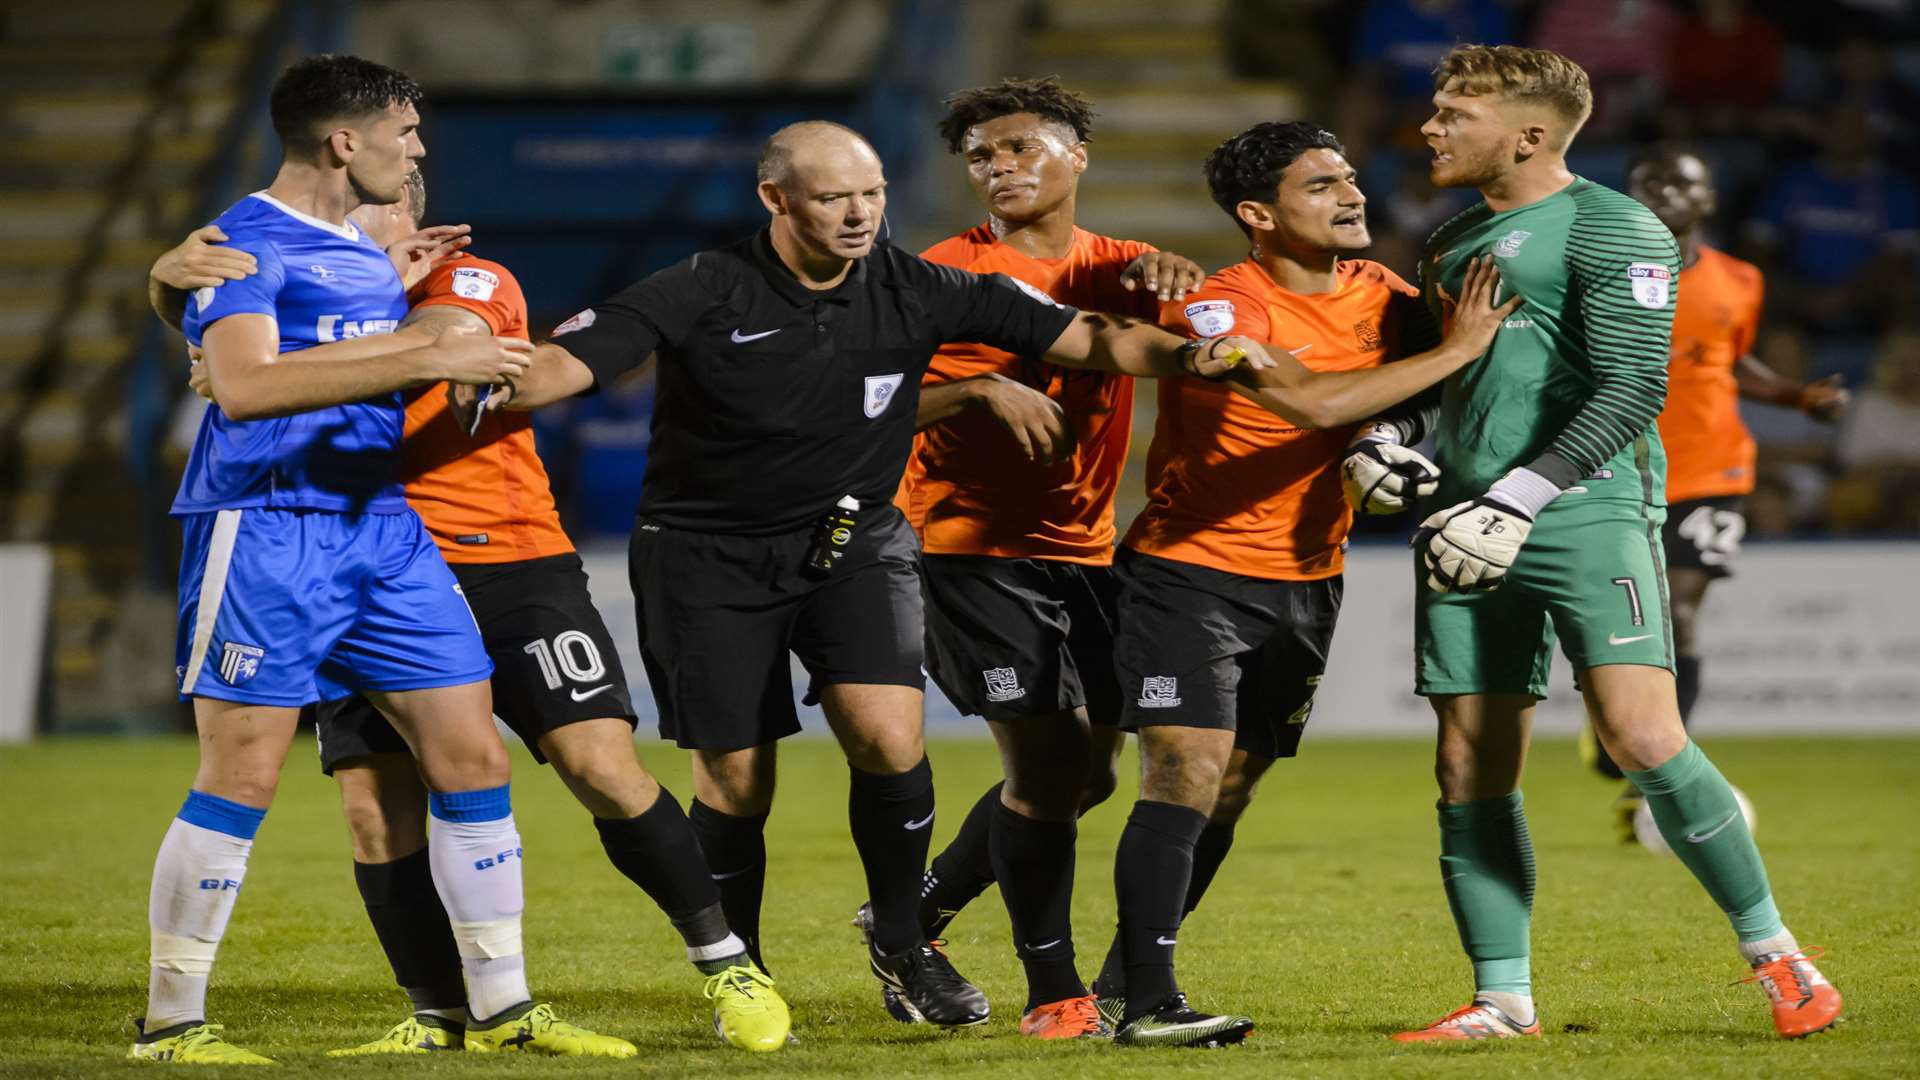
column 1327, row 925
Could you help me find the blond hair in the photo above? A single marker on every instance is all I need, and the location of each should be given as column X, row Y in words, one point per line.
column 1535, row 76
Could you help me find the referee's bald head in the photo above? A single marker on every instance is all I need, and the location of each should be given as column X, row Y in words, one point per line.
column 807, row 144
column 823, row 185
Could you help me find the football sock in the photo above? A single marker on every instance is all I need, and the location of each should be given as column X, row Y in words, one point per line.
column 736, row 851
column 1701, row 821
column 1033, row 861
column 1151, row 871
column 892, row 823
column 962, row 870
column 475, row 853
column 1486, row 865
column 1686, row 683
column 1208, row 853
column 659, row 852
column 412, row 926
column 196, row 879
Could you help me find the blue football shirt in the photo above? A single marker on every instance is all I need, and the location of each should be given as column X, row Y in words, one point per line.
column 321, row 282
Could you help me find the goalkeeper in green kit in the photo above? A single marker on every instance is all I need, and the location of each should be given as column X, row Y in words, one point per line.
column 1551, row 473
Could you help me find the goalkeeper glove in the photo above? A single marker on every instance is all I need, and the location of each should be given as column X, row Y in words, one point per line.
column 1470, row 546
column 1381, row 476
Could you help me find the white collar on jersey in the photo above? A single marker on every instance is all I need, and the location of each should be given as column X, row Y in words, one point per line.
column 346, row 231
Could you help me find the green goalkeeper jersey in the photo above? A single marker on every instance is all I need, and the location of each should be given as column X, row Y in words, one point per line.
column 1577, row 375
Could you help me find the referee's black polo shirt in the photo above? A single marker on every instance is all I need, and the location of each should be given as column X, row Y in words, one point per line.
column 775, row 400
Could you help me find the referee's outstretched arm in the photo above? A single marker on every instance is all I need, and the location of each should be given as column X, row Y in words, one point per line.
column 553, row 374
column 1316, row 399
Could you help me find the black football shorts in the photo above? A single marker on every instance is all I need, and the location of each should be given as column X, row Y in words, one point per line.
column 1200, row 647
column 554, row 663
column 719, row 614
column 1011, row 638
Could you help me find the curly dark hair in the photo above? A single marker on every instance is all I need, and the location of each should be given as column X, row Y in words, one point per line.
column 1247, row 167
column 332, row 87
column 1045, row 98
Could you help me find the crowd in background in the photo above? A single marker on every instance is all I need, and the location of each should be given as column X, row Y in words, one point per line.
column 1809, row 114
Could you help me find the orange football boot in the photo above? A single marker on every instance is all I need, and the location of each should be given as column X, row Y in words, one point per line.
column 1475, row 1020
column 1804, row 1002
column 1069, row 1018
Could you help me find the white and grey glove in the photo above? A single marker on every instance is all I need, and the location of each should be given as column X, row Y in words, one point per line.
column 1381, row 476
column 1470, row 546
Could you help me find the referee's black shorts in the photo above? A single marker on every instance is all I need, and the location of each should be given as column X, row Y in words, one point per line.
column 1012, row 638
column 719, row 613
column 1200, row 647
column 554, row 663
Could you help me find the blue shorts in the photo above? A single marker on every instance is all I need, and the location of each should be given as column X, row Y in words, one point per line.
column 284, row 607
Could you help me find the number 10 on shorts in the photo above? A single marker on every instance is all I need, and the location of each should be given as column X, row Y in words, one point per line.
column 572, row 654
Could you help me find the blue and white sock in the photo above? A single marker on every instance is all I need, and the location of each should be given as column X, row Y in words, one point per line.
column 196, row 879
column 474, row 850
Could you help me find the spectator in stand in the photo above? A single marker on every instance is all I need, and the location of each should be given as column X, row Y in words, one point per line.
column 1394, row 52
column 1879, row 450
column 1623, row 44
column 1725, row 66
column 1836, row 233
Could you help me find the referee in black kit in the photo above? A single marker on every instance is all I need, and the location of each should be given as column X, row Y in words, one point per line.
column 790, row 368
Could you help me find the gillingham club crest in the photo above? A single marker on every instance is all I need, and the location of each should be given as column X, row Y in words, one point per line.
column 239, row 663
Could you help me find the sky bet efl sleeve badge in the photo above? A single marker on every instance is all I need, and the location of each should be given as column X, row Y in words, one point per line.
column 474, row 283
column 1650, row 284
column 1210, row 318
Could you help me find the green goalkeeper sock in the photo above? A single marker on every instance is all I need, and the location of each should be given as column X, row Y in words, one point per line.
column 1486, row 864
column 1697, row 814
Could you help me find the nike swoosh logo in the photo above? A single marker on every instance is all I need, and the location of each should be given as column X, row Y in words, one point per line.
column 741, row 339
column 1701, row 838
column 731, row 874
column 1047, row 945
column 1164, row 941
column 595, row 692
column 1616, row 639
column 921, row 824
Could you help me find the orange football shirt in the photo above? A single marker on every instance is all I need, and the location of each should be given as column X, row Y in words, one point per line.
column 1709, row 451
column 968, row 490
column 1232, row 486
column 485, row 499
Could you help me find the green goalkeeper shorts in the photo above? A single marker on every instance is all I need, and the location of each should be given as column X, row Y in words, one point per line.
column 1592, row 572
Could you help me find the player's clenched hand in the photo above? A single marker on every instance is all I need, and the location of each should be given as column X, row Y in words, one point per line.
column 1163, row 274
column 1469, row 546
column 1213, row 358
column 198, row 262
column 1477, row 315
column 416, row 255
column 460, row 355
column 1824, row 399
column 1036, row 421
column 1382, row 477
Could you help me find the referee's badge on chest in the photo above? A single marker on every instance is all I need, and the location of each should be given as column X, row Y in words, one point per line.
column 880, row 391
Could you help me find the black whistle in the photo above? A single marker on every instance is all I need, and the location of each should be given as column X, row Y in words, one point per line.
column 832, row 535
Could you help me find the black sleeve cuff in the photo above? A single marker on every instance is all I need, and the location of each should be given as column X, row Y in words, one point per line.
column 1561, row 472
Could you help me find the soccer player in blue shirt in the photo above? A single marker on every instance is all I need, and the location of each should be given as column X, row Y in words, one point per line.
column 305, row 576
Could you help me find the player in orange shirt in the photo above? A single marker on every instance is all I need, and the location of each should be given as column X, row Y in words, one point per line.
column 1017, row 532
column 1230, row 578
column 1710, row 455
column 557, row 681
